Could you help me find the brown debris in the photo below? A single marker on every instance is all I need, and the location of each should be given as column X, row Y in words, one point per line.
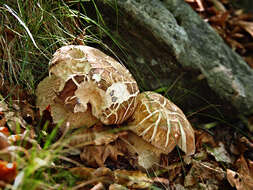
column 204, row 172
column 130, row 179
column 97, row 155
column 243, row 178
column 233, row 25
column 8, row 171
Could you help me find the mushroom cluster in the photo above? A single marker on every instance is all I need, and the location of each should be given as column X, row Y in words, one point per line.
column 86, row 86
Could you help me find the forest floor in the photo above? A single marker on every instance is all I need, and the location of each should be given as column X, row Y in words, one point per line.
column 35, row 153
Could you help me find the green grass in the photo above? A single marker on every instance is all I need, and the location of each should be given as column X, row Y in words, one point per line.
column 42, row 167
column 31, row 31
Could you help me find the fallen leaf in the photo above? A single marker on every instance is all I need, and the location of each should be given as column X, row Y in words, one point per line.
column 203, row 138
column 97, row 135
column 249, row 60
column 8, row 171
column 93, row 176
column 243, row 178
column 219, row 5
column 248, row 26
column 120, row 178
column 230, row 22
column 117, row 187
column 97, row 155
column 132, row 179
column 11, row 116
column 220, row 19
column 203, row 172
column 5, row 131
column 199, row 5
column 220, row 153
column 98, row 186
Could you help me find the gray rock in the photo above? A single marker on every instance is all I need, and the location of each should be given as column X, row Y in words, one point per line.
column 168, row 46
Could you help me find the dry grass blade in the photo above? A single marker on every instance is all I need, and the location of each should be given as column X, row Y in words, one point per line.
column 22, row 23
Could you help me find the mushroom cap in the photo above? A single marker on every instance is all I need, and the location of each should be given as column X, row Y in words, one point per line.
column 88, row 77
column 162, row 123
column 46, row 95
column 46, row 92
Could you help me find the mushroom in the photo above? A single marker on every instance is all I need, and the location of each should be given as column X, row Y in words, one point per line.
column 160, row 122
column 89, row 80
column 46, row 95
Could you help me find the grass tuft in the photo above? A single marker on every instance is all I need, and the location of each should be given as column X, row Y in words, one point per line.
column 31, row 31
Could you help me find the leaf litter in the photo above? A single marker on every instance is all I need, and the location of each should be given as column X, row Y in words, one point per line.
column 110, row 157
column 234, row 25
column 113, row 157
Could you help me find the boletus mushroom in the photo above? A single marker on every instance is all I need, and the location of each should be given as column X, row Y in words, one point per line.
column 89, row 84
column 160, row 122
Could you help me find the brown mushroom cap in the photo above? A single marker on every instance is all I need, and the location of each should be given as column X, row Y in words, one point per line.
column 162, row 123
column 46, row 95
column 46, row 92
column 88, row 77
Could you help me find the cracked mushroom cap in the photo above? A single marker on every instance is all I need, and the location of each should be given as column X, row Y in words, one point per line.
column 46, row 95
column 160, row 122
column 90, row 79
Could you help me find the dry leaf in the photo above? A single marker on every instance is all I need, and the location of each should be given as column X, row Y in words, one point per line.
column 203, row 138
column 120, row 178
column 248, row 26
column 97, row 155
column 220, row 154
column 249, row 60
column 232, row 24
column 97, row 135
column 89, row 173
column 219, row 5
column 204, row 172
column 8, row 171
column 132, row 179
column 243, row 178
column 117, row 187
column 12, row 117
column 199, row 5
column 5, row 131
column 98, row 186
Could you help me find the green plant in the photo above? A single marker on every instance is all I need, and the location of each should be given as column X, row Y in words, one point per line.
column 31, row 31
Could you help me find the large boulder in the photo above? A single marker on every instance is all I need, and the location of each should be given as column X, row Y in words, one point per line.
column 168, row 46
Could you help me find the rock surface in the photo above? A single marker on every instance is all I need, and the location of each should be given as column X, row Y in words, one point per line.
column 167, row 45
